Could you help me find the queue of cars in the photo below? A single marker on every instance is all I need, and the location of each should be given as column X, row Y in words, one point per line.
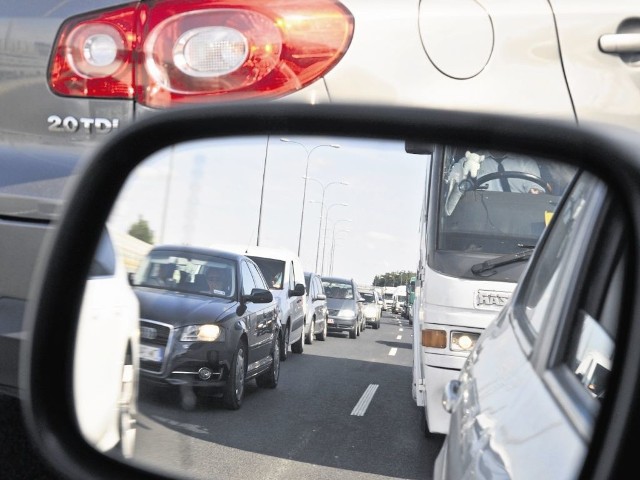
column 212, row 319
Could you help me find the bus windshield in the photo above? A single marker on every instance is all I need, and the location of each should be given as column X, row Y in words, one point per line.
column 492, row 204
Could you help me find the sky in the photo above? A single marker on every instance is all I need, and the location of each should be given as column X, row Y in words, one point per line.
column 210, row 192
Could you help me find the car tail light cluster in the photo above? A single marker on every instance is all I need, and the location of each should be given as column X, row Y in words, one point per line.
column 176, row 51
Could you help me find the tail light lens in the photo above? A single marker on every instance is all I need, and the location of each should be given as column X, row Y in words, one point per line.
column 175, row 51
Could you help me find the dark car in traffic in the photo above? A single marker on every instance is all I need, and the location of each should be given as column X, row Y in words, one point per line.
column 208, row 322
column 344, row 304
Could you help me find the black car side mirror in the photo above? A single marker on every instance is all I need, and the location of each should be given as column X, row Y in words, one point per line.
column 259, row 295
column 298, row 291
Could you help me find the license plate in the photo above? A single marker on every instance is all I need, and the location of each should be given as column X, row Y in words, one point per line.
column 151, row 354
column 330, row 320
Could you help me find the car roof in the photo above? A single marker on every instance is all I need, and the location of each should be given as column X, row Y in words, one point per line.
column 259, row 251
column 204, row 250
column 338, row 279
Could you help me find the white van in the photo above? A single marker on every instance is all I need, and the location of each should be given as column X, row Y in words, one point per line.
column 284, row 273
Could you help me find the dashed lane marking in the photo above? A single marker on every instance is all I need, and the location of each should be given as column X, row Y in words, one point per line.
column 362, row 405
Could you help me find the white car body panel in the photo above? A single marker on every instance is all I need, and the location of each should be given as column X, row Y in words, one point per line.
column 108, row 324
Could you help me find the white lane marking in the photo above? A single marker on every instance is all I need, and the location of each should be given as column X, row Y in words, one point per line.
column 401, row 329
column 362, row 405
column 399, row 337
column 393, row 351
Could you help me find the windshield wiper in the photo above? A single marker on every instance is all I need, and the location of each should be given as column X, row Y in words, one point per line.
column 500, row 261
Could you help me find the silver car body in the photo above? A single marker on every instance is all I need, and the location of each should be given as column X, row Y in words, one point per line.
column 526, row 400
column 559, row 58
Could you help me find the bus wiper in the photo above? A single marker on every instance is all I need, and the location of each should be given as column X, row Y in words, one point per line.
column 500, row 261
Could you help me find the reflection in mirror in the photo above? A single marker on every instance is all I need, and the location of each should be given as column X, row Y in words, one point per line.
column 202, row 225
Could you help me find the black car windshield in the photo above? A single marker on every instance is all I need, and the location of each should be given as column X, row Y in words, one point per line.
column 187, row 272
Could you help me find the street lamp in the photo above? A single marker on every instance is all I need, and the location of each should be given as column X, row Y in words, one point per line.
column 324, row 189
column 326, row 222
column 333, row 249
column 306, row 174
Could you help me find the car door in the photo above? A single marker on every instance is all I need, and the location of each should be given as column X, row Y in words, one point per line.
column 600, row 48
column 297, row 308
column 250, row 315
column 266, row 320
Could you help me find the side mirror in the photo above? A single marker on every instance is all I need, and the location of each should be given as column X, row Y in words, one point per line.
column 52, row 318
column 321, row 296
column 298, row 291
column 259, row 295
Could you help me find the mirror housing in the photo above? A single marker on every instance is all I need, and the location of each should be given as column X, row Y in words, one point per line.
column 298, row 291
column 52, row 312
column 258, row 295
column 321, row 296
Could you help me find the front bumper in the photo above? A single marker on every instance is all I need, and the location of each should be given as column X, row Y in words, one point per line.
column 338, row 324
column 202, row 365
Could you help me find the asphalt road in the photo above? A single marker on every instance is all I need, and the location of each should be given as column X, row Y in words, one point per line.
column 342, row 409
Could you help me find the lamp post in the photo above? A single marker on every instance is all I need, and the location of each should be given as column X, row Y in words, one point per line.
column 306, row 174
column 326, row 221
column 333, row 248
column 324, row 189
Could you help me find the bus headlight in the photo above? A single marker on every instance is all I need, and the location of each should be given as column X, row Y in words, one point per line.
column 463, row 341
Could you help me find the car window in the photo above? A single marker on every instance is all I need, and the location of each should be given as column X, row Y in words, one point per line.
column 247, row 280
column 272, row 270
column 591, row 342
column 540, row 288
column 292, row 278
column 257, row 277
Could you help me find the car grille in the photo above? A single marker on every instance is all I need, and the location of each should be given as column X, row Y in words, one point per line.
column 157, row 335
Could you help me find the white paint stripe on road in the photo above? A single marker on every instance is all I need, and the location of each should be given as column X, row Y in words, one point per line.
column 401, row 329
column 393, row 351
column 362, row 405
column 399, row 337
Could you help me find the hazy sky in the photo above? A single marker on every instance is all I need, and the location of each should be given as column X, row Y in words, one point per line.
column 209, row 192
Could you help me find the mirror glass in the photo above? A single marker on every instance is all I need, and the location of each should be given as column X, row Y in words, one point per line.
column 171, row 269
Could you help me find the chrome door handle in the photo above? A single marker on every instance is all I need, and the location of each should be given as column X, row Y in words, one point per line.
column 620, row 43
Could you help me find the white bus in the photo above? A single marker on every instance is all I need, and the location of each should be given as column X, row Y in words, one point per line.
column 482, row 214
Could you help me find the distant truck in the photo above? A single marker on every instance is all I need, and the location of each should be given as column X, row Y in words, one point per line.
column 388, row 298
column 399, row 299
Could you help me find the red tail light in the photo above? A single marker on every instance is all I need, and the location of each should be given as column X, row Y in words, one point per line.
column 176, row 51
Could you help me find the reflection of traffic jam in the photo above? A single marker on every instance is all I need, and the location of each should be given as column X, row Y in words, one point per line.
column 212, row 319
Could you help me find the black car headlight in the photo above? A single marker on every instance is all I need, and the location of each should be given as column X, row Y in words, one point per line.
column 202, row 333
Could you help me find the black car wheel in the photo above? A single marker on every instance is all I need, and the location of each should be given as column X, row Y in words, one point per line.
column 298, row 345
column 312, row 332
column 284, row 344
column 269, row 379
column 234, row 389
column 353, row 333
column 127, row 410
column 322, row 336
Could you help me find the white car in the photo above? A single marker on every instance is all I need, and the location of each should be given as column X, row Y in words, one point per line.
column 282, row 269
column 107, row 355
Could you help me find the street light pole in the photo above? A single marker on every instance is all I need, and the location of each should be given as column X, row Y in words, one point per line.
column 326, row 222
column 324, row 189
column 333, row 249
column 306, row 174
column 264, row 173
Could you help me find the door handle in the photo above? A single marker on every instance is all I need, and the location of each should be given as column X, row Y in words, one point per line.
column 620, row 43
